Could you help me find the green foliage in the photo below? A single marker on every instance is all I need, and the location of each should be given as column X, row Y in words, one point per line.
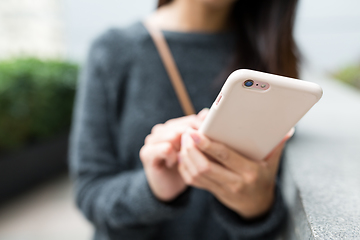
column 349, row 75
column 36, row 99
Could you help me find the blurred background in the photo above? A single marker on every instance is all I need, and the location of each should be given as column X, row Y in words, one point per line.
column 42, row 46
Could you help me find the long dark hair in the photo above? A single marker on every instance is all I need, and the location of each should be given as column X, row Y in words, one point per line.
column 265, row 35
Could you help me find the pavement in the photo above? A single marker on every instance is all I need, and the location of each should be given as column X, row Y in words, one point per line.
column 45, row 213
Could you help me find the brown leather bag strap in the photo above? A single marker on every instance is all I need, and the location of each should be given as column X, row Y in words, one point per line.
column 171, row 68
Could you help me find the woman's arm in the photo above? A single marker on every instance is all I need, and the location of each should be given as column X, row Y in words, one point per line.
column 265, row 227
column 108, row 194
column 248, row 204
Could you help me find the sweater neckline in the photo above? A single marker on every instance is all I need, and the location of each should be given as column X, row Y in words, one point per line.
column 197, row 36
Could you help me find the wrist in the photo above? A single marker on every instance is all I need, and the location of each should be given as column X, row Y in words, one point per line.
column 167, row 196
column 255, row 228
column 164, row 185
column 259, row 209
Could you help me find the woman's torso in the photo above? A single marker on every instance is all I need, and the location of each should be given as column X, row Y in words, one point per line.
column 140, row 95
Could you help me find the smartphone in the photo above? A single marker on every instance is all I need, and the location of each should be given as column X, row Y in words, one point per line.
column 254, row 111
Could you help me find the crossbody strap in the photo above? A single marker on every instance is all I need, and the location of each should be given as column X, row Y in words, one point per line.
column 171, row 68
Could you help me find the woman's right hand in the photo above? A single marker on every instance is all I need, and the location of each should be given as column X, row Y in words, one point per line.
column 159, row 155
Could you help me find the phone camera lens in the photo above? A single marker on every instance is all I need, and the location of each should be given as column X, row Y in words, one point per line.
column 249, row 83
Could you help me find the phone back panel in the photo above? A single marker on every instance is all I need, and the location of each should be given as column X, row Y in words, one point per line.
column 253, row 122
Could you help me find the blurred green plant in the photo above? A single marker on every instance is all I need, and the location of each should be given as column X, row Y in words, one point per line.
column 36, row 100
column 350, row 75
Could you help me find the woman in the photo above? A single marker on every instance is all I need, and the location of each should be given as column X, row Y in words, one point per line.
column 140, row 175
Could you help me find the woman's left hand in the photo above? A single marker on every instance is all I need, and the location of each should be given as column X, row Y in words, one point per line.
column 243, row 185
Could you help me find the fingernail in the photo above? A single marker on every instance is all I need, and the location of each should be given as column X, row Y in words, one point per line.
column 291, row 132
column 203, row 112
column 195, row 137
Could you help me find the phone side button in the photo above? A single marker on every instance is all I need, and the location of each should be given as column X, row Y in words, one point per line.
column 218, row 99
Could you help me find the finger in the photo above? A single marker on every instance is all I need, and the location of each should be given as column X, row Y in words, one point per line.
column 273, row 159
column 291, row 133
column 209, row 185
column 158, row 155
column 201, row 183
column 200, row 167
column 203, row 113
column 207, row 168
column 187, row 121
column 288, row 136
column 170, row 135
column 277, row 149
column 181, row 126
column 171, row 130
column 184, row 173
column 157, row 127
column 184, row 156
column 223, row 154
column 190, row 121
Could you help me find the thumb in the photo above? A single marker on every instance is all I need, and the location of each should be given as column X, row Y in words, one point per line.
column 203, row 113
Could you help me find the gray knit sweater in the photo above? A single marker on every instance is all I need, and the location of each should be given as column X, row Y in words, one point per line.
column 123, row 92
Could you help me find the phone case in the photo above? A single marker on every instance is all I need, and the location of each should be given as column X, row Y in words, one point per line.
column 253, row 121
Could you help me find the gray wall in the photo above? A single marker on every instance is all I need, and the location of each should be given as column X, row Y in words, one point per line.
column 85, row 19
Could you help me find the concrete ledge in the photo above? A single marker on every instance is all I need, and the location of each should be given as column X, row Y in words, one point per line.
column 321, row 177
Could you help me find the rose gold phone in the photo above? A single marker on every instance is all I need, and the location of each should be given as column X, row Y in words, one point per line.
column 255, row 110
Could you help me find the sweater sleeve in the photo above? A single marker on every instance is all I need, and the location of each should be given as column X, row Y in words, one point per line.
column 265, row 228
column 107, row 193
